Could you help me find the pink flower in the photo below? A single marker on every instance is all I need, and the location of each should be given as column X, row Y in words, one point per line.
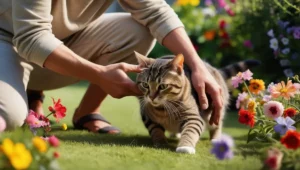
column 35, row 120
column 2, row 124
column 236, row 80
column 267, row 98
column 53, row 141
column 248, row 44
column 273, row 109
column 222, row 3
column 274, row 159
column 241, row 98
column 247, row 75
column 230, row 12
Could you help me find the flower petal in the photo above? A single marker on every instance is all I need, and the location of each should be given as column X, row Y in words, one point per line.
column 289, row 121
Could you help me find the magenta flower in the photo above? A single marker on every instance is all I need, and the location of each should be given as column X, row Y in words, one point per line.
column 222, row 147
column 53, row 141
column 283, row 125
column 2, row 124
column 273, row 109
column 296, row 33
column 35, row 120
column 248, row 44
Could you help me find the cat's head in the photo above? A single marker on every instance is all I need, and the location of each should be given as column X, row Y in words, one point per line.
column 162, row 80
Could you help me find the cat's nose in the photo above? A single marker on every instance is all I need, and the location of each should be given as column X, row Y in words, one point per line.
column 153, row 96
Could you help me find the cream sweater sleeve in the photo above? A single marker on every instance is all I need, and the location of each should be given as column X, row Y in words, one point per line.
column 32, row 28
column 157, row 15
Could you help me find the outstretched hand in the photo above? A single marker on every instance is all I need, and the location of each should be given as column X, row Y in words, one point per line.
column 115, row 82
column 203, row 83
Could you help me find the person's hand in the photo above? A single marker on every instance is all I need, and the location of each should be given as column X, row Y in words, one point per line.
column 115, row 82
column 203, row 82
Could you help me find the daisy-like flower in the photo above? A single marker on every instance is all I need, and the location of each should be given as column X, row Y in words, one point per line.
column 291, row 139
column 283, row 125
column 273, row 109
column 271, row 33
column 274, row 44
column 246, row 117
column 256, row 86
column 285, row 41
column 222, row 147
column 241, row 99
column 285, row 90
column 285, row 51
column 289, row 112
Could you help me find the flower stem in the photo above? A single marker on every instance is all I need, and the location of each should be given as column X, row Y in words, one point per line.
column 49, row 114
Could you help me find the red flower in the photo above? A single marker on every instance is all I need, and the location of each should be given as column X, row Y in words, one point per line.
column 291, row 139
column 56, row 155
column 233, row 1
column 53, row 141
column 246, row 117
column 271, row 162
column 223, row 34
column 222, row 24
column 58, row 110
column 290, row 112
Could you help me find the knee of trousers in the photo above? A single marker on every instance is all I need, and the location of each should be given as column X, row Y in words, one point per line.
column 13, row 108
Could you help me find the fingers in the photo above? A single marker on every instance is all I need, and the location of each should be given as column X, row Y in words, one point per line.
column 130, row 68
column 202, row 97
column 218, row 105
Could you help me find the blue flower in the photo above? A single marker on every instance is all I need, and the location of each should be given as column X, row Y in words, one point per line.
column 222, row 147
column 283, row 24
column 283, row 125
column 285, row 51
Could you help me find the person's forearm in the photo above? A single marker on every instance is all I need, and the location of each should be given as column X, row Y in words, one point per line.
column 64, row 61
column 177, row 41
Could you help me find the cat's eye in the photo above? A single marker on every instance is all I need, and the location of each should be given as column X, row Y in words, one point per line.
column 163, row 86
column 145, row 85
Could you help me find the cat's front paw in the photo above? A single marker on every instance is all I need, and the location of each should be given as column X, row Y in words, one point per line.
column 186, row 149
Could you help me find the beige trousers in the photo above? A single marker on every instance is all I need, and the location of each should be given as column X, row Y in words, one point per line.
column 110, row 39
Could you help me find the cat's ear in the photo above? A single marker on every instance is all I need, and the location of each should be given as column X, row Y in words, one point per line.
column 143, row 60
column 177, row 63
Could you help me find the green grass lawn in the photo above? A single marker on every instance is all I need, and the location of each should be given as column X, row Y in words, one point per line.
column 133, row 150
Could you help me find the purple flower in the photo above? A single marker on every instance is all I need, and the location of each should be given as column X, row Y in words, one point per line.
column 296, row 33
column 283, row 125
column 222, row 147
column 248, row 44
column 208, row 2
column 290, row 30
column 283, row 24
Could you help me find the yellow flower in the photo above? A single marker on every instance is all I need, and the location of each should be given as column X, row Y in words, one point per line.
column 39, row 144
column 7, row 146
column 251, row 105
column 187, row 2
column 256, row 86
column 64, row 126
column 18, row 155
column 21, row 158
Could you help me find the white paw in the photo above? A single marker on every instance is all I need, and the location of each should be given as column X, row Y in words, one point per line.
column 186, row 149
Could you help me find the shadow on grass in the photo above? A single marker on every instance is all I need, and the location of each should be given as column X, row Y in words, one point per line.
column 106, row 139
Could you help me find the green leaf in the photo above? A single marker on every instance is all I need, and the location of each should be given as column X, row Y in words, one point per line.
column 251, row 137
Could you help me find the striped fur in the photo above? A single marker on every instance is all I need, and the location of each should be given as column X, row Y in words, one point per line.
column 171, row 104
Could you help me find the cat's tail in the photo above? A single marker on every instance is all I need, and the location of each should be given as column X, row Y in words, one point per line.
column 232, row 69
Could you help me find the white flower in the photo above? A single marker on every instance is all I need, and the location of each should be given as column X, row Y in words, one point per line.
column 273, row 109
column 274, row 44
column 285, row 41
column 271, row 33
column 208, row 12
column 286, row 51
column 270, row 86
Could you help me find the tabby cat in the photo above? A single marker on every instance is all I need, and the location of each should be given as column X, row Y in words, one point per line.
column 170, row 103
